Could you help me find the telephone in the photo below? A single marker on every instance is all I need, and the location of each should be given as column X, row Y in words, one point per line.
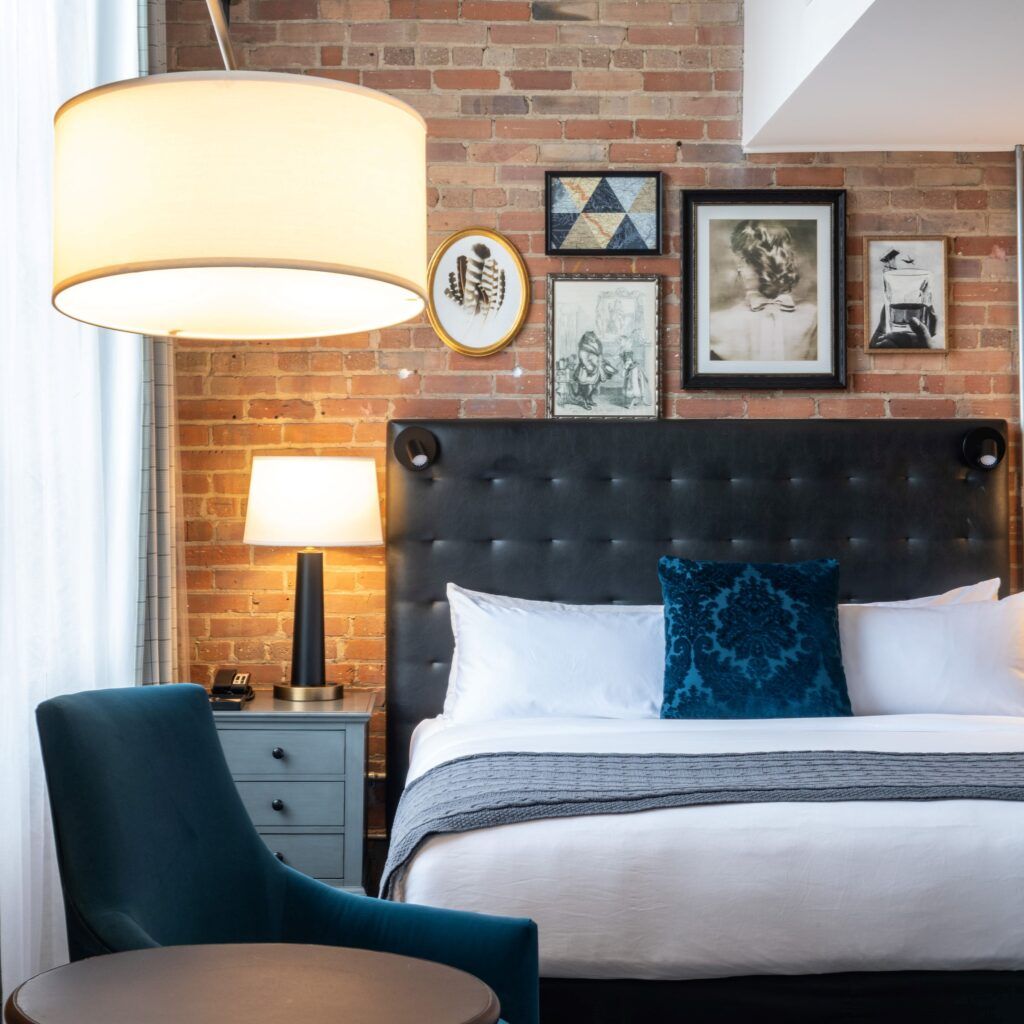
column 230, row 690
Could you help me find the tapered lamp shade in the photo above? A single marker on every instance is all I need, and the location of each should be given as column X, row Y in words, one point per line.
column 313, row 501
column 239, row 205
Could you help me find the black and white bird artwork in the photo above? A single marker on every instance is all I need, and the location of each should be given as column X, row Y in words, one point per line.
column 477, row 284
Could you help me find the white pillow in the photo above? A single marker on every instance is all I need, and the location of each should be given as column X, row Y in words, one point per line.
column 987, row 590
column 515, row 658
column 957, row 659
column 523, row 659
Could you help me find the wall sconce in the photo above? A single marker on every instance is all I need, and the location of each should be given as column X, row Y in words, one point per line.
column 416, row 448
column 983, row 448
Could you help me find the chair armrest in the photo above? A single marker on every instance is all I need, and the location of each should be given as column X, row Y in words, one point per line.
column 500, row 951
column 120, row 933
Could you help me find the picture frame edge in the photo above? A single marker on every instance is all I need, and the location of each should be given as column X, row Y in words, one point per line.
column 946, row 247
column 659, row 177
column 549, row 386
column 693, row 380
column 524, row 276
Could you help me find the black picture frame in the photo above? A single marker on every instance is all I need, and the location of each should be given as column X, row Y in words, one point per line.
column 551, row 249
column 695, row 378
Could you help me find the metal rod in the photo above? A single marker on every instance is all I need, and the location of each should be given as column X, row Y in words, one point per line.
column 1019, row 154
column 220, row 30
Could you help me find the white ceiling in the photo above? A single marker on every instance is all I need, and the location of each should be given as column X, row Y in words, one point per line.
column 842, row 75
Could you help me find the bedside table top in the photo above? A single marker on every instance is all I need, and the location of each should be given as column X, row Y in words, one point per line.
column 358, row 706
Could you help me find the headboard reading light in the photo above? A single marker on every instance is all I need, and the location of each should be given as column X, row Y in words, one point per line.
column 416, row 448
column 983, row 448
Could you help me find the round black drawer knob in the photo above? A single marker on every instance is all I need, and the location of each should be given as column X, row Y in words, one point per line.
column 280, row 856
column 277, row 753
column 278, row 805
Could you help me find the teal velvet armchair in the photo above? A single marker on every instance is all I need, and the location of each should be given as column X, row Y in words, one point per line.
column 156, row 849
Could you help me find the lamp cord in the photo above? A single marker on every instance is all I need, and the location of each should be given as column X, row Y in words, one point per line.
column 219, row 18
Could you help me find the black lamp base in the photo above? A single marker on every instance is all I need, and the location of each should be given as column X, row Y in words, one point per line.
column 309, row 669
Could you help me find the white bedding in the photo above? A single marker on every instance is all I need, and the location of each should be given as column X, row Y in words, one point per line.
column 776, row 888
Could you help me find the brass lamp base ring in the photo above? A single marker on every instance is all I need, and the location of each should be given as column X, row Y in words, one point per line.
column 332, row 691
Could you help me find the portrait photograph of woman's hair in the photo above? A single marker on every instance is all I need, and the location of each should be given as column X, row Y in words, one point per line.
column 765, row 275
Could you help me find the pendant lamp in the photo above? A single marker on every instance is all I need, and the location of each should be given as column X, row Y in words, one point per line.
column 239, row 205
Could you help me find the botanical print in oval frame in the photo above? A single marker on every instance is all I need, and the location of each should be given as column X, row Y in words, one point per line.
column 764, row 282
column 479, row 292
column 603, row 333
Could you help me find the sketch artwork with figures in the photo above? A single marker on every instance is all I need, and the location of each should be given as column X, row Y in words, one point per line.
column 603, row 346
column 479, row 292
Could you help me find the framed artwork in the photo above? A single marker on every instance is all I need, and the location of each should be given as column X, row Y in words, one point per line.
column 906, row 293
column 589, row 213
column 764, row 288
column 604, row 333
column 479, row 291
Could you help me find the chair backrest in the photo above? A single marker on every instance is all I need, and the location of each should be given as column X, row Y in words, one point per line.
column 150, row 829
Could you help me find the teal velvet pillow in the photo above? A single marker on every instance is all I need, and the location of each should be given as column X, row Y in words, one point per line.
column 752, row 640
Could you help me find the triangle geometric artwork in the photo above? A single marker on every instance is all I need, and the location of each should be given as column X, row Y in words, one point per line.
column 595, row 214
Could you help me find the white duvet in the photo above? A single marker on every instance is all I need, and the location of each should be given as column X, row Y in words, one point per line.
column 776, row 888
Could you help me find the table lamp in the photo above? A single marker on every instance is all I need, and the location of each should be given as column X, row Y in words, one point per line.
column 312, row 502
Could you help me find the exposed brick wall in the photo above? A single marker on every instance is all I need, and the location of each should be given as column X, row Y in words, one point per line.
column 510, row 89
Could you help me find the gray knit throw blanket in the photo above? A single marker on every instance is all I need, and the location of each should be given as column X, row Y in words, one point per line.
column 486, row 790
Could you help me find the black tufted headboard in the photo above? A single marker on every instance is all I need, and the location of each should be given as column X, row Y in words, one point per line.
column 581, row 511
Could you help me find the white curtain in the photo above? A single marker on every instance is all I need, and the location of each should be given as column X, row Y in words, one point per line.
column 70, row 449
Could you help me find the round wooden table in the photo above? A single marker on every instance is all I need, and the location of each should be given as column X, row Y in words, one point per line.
column 252, row 984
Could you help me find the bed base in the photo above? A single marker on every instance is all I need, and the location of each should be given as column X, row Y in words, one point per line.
column 897, row 997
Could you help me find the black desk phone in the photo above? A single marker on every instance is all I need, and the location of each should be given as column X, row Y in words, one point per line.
column 230, row 690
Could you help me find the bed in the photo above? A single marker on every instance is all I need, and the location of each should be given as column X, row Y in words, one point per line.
column 840, row 911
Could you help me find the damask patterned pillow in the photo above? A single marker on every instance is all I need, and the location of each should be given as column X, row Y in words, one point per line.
column 752, row 640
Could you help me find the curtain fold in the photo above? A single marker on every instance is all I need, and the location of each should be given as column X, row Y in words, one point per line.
column 71, row 401
column 163, row 613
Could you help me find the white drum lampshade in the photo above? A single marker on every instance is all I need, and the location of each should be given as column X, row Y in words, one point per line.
column 239, row 205
column 313, row 501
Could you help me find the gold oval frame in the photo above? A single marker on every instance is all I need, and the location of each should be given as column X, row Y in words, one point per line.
column 524, row 283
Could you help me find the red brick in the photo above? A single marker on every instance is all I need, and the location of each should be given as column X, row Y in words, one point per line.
column 290, row 409
column 662, row 128
column 598, row 129
column 467, row 78
column 527, row 128
column 209, row 409
column 661, row 35
column 459, row 128
column 426, row 10
column 922, row 408
column 851, row 408
column 540, row 81
column 496, row 10
column 812, row 177
column 280, row 10
column 677, row 81
column 396, row 79
column 642, row 152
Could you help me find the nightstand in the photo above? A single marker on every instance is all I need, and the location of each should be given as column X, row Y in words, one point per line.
column 300, row 770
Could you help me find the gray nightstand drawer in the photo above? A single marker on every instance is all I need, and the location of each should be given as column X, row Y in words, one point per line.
column 309, row 752
column 318, row 778
column 301, row 803
column 321, row 856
